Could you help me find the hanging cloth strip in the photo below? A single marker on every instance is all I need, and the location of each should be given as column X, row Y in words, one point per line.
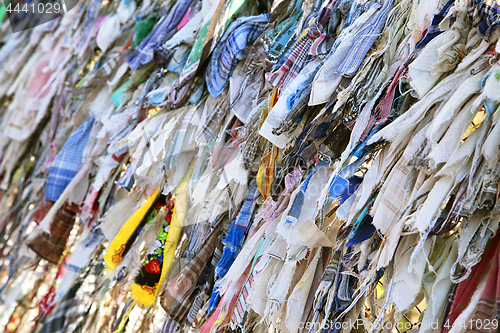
column 278, row 40
column 178, row 297
column 235, row 235
column 298, row 202
column 181, row 197
column 467, row 287
column 163, row 30
column 364, row 40
column 433, row 30
column 306, row 45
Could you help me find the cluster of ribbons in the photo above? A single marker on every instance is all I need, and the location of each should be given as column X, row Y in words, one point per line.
column 233, row 165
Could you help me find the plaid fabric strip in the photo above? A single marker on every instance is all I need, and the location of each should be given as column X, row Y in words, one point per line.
column 364, row 40
column 296, row 60
column 212, row 125
column 163, row 30
column 216, row 256
column 320, row 299
column 91, row 16
column 242, row 305
column 205, row 285
column 466, row 288
column 488, row 307
column 198, row 302
column 485, row 16
column 66, row 309
column 176, row 298
column 241, row 33
column 68, row 161
column 305, row 46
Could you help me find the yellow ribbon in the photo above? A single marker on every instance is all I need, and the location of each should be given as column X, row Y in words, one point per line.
column 115, row 251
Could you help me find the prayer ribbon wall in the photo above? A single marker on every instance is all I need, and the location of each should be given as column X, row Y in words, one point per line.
column 252, row 166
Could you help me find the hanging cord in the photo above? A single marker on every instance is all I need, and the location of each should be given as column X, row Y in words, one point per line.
column 380, row 316
column 247, row 309
column 125, row 320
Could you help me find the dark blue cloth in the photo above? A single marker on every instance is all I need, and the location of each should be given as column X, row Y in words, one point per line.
column 364, row 231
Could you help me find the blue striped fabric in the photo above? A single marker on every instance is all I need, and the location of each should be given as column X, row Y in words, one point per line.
column 298, row 202
column 234, row 240
column 234, row 237
column 169, row 326
column 364, row 40
column 242, row 32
